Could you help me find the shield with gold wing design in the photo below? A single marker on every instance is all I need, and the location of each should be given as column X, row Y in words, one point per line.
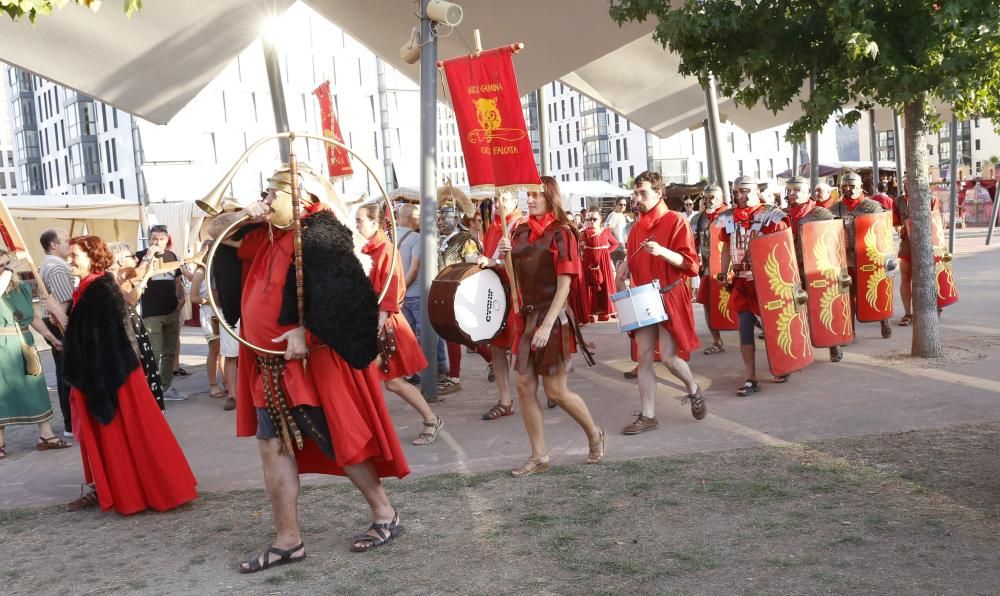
column 721, row 315
column 782, row 302
column 944, row 276
column 824, row 261
column 873, row 244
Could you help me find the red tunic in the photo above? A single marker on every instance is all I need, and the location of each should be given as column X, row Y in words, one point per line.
column 491, row 242
column 408, row 357
column 359, row 423
column 599, row 274
column 672, row 231
column 134, row 460
column 743, row 296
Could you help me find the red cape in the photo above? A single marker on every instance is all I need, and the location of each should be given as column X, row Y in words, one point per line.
column 408, row 358
column 598, row 272
column 352, row 401
column 671, row 230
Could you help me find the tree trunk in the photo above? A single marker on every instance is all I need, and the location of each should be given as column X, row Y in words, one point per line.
column 926, row 335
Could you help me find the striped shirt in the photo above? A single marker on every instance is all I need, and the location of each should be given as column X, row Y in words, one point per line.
column 57, row 278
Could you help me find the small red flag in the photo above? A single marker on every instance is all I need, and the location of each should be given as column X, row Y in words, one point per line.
column 337, row 158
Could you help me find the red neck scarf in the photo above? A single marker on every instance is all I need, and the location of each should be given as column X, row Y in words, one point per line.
column 744, row 215
column 84, row 282
column 377, row 240
column 800, row 210
column 852, row 204
column 713, row 215
column 538, row 225
column 648, row 220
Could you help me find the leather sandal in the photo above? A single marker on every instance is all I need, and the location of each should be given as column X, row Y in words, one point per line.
column 427, row 437
column 87, row 499
column 217, row 392
column 714, row 349
column 532, row 466
column 906, row 320
column 3, row 451
column 499, row 411
column 53, row 442
column 597, row 449
column 385, row 534
column 254, row 564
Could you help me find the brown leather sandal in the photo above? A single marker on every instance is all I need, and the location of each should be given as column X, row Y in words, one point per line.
column 499, row 411
column 596, row 453
column 53, row 442
column 530, row 467
column 86, row 501
column 428, row 436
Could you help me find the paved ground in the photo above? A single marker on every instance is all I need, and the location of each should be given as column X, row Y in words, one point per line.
column 875, row 389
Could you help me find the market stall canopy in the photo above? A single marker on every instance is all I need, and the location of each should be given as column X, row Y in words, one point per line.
column 110, row 217
column 836, row 168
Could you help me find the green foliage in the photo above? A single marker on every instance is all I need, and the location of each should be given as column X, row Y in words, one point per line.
column 18, row 9
column 863, row 52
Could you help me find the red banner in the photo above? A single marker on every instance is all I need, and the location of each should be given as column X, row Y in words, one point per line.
column 337, row 158
column 9, row 234
column 487, row 105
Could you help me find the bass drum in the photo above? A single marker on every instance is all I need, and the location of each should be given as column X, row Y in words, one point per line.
column 467, row 304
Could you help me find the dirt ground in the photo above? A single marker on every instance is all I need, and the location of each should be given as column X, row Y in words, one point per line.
column 906, row 513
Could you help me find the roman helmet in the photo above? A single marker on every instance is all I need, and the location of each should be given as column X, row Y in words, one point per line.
column 712, row 195
column 798, row 184
column 749, row 184
column 852, row 178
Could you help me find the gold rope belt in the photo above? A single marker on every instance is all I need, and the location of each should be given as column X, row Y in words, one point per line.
column 14, row 330
column 597, row 247
column 272, row 370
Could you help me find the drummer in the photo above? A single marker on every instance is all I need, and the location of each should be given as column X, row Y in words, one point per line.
column 661, row 247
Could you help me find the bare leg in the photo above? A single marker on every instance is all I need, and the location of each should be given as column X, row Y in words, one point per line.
column 501, row 367
column 281, row 478
column 531, row 412
column 645, row 341
column 412, row 396
column 229, row 375
column 212, row 363
column 749, row 353
column 366, row 479
column 45, row 430
column 716, row 336
column 674, row 363
column 905, row 289
column 557, row 390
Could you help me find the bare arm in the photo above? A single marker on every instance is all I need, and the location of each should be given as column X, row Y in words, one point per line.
column 411, row 273
column 40, row 327
column 196, row 287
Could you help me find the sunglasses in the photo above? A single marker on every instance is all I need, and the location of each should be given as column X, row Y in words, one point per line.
column 592, row 219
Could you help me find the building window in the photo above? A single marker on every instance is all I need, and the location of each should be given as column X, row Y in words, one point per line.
column 114, row 154
column 559, row 159
column 977, row 140
column 620, row 180
column 631, row 171
column 626, row 149
column 731, row 139
column 618, row 144
column 617, row 128
column 739, row 166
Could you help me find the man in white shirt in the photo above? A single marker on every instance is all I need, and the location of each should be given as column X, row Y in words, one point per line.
column 617, row 221
column 59, row 281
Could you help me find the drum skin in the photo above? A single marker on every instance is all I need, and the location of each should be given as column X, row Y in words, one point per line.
column 444, row 294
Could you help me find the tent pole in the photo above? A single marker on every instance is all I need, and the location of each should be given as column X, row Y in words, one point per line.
column 543, row 130
column 795, row 159
column 873, row 143
column 708, row 153
column 428, row 195
column 273, row 68
column 712, row 107
column 953, row 181
column 813, row 144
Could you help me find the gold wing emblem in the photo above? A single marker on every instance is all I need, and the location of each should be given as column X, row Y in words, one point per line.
column 786, row 291
column 831, row 272
column 723, row 305
column 875, row 257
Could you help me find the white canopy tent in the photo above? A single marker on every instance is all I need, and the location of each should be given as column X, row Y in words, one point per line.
column 112, row 218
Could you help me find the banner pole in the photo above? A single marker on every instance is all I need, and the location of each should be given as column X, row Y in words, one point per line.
column 15, row 235
column 508, row 262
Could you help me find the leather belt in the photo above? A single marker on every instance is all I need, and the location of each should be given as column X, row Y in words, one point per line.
column 742, row 267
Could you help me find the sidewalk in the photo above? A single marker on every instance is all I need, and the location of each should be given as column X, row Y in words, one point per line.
column 875, row 389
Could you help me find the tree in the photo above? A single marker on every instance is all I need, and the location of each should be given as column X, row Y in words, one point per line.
column 18, row 9
column 903, row 54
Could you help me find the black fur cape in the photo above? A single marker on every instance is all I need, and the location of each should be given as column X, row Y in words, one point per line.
column 97, row 354
column 341, row 307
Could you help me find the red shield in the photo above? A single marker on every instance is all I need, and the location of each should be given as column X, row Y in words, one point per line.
column 824, row 261
column 721, row 315
column 872, row 245
column 782, row 302
column 947, row 291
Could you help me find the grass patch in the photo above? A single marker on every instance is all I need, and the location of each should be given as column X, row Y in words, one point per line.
column 754, row 491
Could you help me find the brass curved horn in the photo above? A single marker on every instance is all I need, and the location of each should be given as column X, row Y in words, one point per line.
column 212, row 204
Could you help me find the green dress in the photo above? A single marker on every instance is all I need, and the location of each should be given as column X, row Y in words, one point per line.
column 23, row 399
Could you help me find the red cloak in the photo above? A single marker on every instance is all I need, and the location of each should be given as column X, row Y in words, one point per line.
column 408, row 358
column 599, row 274
column 672, row 231
column 358, row 421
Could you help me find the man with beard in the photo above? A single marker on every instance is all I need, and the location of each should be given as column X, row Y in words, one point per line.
column 748, row 219
column 661, row 247
column 711, row 206
column 853, row 203
column 802, row 209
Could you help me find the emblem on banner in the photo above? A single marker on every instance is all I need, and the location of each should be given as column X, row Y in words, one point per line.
column 488, row 116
